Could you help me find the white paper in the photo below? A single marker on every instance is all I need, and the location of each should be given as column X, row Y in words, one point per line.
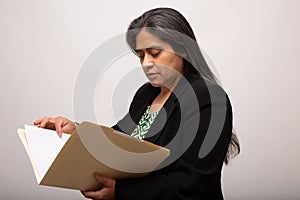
column 44, row 146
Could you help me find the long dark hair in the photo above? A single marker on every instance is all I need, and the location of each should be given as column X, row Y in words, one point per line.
column 172, row 27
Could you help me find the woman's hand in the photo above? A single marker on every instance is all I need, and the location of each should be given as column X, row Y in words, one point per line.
column 60, row 124
column 106, row 192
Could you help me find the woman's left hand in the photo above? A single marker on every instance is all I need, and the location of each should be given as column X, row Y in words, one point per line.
column 106, row 192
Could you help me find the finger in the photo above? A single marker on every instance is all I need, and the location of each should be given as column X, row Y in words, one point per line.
column 99, row 194
column 44, row 122
column 37, row 122
column 58, row 126
column 102, row 179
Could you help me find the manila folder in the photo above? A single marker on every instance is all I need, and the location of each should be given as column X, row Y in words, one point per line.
column 94, row 148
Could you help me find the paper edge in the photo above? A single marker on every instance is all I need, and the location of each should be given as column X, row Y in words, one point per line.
column 22, row 136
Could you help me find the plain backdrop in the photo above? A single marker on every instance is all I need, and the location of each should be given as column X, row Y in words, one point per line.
column 254, row 45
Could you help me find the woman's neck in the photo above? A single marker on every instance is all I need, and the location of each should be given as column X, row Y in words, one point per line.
column 160, row 100
column 163, row 96
column 165, row 92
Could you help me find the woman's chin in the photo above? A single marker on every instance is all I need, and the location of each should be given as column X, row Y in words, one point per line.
column 154, row 84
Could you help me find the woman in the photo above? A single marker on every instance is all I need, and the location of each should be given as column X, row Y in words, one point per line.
column 167, row 111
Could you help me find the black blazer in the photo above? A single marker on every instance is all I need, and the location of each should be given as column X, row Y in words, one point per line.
column 180, row 125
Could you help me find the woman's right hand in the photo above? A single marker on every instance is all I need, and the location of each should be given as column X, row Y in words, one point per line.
column 60, row 124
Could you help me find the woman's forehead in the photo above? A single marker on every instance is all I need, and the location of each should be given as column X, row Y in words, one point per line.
column 146, row 40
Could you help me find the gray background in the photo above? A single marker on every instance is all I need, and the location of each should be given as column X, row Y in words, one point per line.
column 254, row 45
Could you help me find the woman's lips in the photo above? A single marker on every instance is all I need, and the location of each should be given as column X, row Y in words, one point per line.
column 151, row 75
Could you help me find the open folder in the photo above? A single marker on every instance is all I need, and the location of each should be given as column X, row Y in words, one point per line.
column 70, row 161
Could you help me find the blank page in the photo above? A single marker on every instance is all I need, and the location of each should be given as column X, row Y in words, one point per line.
column 44, row 145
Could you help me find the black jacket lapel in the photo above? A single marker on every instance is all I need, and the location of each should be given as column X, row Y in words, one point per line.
column 162, row 118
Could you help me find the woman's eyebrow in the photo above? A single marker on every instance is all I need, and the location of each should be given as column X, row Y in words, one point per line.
column 154, row 47
column 148, row 48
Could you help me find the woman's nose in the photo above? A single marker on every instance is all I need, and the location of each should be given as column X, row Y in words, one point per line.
column 147, row 61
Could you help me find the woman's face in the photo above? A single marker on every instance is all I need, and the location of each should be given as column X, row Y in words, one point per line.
column 162, row 66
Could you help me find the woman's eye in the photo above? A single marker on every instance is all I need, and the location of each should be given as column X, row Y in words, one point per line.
column 155, row 53
column 140, row 54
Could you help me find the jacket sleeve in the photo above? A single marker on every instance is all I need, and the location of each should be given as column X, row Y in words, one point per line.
column 189, row 177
